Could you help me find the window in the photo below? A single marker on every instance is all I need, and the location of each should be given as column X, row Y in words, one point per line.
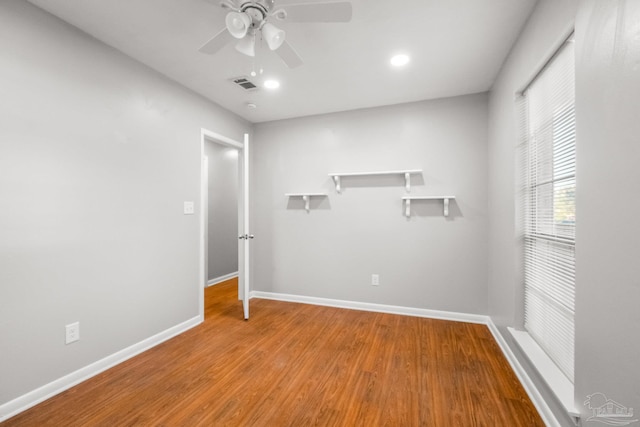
column 547, row 196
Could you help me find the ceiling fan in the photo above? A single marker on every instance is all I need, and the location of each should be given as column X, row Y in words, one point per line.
column 249, row 19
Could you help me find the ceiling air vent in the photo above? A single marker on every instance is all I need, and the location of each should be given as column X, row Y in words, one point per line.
column 244, row 83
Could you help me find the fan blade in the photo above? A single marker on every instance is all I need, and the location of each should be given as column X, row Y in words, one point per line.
column 289, row 55
column 319, row 12
column 229, row 5
column 217, row 42
column 225, row 4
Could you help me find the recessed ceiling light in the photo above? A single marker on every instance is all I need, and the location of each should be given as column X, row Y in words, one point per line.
column 400, row 60
column 271, row 84
column 251, row 106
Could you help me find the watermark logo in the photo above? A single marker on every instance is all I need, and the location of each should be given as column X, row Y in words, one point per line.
column 608, row 411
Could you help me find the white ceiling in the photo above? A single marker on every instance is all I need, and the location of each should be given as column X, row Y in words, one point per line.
column 456, row 46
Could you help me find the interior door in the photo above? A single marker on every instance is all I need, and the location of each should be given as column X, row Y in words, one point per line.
column 204, row 202
column 246, row 237
column 244, row 260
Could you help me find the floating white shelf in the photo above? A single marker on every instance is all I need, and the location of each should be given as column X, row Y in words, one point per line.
column 408, row 199
column 407, row 176
column 306, row 197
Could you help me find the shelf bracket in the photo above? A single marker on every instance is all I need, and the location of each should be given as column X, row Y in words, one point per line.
column 336, row 179
column 306, row 198
column 445, row 202
column 407, row 182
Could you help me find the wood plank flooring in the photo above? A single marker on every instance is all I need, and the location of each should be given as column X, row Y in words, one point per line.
column 302, row 365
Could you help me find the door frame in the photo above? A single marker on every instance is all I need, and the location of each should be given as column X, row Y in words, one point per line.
column 209, row 136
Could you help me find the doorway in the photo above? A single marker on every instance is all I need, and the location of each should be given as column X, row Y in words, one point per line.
column 222, row 212
column 224, row 191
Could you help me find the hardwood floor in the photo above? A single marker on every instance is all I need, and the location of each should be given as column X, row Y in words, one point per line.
column 302, row 365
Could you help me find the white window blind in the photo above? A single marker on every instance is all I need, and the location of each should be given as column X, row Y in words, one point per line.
column 548, row 180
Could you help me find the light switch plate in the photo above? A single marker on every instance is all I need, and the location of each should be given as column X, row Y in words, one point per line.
column 189, row 208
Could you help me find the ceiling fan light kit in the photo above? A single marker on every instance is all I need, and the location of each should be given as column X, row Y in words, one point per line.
column 273, row 35
column 247, row 18
column 238, row 24
column 247, row 45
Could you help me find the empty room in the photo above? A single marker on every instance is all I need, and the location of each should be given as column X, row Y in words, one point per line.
column 319, row 212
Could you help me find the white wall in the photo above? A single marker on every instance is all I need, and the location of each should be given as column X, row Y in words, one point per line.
column 608, row 230
column 427, row 261
column 223, row 209
column 547, row 25
column 607, row 93
column 97, row 155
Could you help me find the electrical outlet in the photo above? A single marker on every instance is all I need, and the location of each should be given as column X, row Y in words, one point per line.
column 189, row 208
column 375, row 279
column 72, row 332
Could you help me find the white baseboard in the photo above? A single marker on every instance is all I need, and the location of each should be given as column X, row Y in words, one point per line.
column 222, row 278
column 47, row 391
column 538, row 401
column 378, row 308
column 536, row 398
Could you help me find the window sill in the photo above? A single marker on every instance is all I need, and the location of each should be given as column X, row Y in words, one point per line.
column 550, row 373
